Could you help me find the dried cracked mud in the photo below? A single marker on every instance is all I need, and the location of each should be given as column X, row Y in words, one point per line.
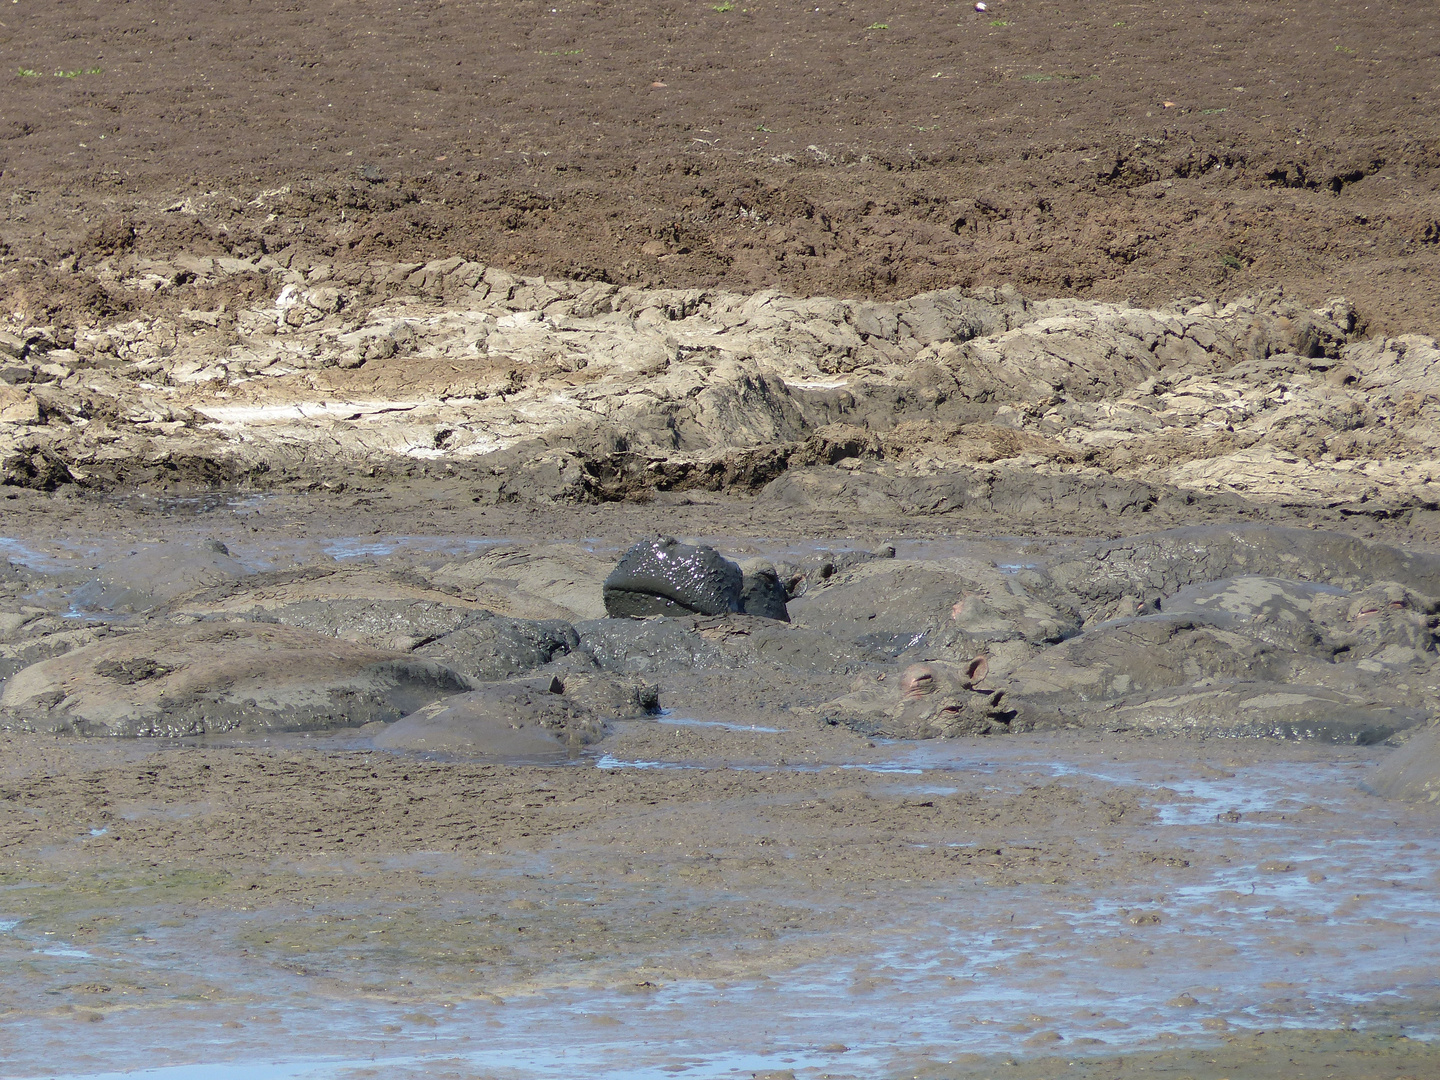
column 1060, row 379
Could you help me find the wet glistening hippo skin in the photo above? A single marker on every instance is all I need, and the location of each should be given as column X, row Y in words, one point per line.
column 665, row 577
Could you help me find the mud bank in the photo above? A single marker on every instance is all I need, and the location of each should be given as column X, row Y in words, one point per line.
column 548, row 389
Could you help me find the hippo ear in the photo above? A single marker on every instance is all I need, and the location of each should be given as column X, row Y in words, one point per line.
column 976, row 671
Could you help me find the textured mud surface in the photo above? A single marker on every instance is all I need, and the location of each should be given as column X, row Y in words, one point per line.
column 841, row 148
column 755, row 879
column 1057, row 385
column 533, row 389
column 233, row 621
column 940, row 914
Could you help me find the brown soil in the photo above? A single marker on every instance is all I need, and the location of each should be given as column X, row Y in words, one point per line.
column 1103, row 149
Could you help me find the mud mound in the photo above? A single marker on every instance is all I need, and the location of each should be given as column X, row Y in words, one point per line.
column 156, row 574
column 1169, row 561
column 1273, row 710
column 214, row 677
column 1411, row 773
column 507, row 720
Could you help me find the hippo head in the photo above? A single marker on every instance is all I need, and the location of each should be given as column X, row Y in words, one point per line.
column 921, row 680
column 945, row 699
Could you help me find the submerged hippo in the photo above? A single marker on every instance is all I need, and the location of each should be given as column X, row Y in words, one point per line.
column 217, row 677
column 504, row 720
column 665, row 577
column 522, row 719
column 925, row 700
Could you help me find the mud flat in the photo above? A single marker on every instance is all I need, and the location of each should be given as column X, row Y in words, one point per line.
column 895, row 912
column 715, row 845
column 1007, row 685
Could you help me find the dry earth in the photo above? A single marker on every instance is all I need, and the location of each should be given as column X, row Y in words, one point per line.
column 1111, row 150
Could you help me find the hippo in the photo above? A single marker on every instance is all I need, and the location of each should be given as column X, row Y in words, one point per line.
column 522, row 719
column 762, row 592
column 221, row 676
column 665, row 577
column 519, row 720
column 925, row 700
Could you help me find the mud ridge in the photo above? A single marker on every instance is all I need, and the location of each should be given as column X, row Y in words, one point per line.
column 542, row 389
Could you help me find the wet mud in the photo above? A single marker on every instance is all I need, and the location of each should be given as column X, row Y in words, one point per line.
column 693, row 844
column 925, row 910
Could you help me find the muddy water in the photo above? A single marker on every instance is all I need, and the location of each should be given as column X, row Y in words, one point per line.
column 1280, row 895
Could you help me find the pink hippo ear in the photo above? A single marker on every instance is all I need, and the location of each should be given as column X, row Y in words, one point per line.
column 976, row 671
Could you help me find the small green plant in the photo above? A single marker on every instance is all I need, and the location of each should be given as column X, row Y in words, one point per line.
column 722, row 8
column 31, row 73
column 1038, row 78
column 878, row 26
column 1344, row 49
column 762, row 127
column 1117, row 24
column 1212, row 112
column 1230, row 262
column 998, row 22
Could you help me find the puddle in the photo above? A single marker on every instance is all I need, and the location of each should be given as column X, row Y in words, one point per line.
column 354, row 547
column 1282, row 896
column 39, row 945
column 74, row 576
column 610, row 761
column 18, row 553
column 685, row 721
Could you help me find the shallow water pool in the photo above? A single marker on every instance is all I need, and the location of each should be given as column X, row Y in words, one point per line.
column 1282, row 895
